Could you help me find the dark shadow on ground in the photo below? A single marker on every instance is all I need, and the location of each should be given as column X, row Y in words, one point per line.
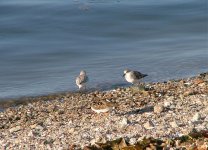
column 139, row 111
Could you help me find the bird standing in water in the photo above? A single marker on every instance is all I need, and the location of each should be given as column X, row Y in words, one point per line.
column 133, row 76
column 81, row 80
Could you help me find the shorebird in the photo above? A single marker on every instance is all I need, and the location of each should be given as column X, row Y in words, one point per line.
column 133, row 76
column 102, row 106
column 81, row 80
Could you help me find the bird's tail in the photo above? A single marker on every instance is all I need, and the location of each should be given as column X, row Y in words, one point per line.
column 144, row 75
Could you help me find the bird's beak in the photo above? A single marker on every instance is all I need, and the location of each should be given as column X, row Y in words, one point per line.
column 124, row 74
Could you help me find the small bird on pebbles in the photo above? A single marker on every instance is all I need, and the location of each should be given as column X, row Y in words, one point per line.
column 102, row 106
column 133, row 76
column 81, row 80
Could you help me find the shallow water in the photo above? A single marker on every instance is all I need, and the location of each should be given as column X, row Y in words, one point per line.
column 45, row 43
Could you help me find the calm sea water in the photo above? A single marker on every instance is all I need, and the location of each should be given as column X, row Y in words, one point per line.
column 45, row 43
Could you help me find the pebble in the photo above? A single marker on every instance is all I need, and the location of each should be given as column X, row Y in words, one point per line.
column 132, row 141
column 158, row 108
column 38, row 127
column 196, row 117
column 206, row 118
column 174, row 124
column 149, row 125
column 168, row 102
column 124, row 122
column 15, row 129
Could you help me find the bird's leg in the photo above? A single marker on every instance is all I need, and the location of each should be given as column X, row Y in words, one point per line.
column 140, row 85
column 83, row 87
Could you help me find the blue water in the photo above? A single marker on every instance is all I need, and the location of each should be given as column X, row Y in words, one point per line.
column 45, row 43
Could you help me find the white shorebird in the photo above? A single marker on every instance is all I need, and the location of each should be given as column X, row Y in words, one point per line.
column 133, row 76
column 82, row 79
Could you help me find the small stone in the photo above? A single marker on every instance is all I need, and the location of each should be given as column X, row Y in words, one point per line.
column 172, row 106
column 170, row 98
column 174, row 124
column 132, row 141
column 15, row 129
column 71, row 130
column 124, row 122
column 167, row 103
column 39, row 127
column 196, row 117
column 177, row 143
column 93, row 142
column 206, row 118
column 100, row 140
column 33, row 126
column 149, row 125
column 158, row 109
column 30, row 134
column 188, row 92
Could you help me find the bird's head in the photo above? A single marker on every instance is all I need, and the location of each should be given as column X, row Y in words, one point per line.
column 82, row 72
column 126, row 71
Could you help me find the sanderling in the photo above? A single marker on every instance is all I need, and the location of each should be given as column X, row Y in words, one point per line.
column 133, row 76
column 102, row 106
column 82, row 79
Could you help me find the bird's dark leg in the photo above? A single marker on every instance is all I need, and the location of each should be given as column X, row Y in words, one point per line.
column 140, row 85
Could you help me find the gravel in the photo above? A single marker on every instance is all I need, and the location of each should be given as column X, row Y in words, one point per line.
column 163, row 110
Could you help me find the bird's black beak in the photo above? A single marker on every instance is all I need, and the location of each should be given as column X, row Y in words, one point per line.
column 124, row 74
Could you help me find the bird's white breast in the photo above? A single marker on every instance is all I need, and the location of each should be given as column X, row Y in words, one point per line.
column 129, row 77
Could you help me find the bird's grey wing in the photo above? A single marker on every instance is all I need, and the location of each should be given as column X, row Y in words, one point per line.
column 81, row 79
column 139, row 75
column 86, row 79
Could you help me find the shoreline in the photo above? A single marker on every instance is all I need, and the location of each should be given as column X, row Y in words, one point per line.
column 23, row 100
column 162, row 110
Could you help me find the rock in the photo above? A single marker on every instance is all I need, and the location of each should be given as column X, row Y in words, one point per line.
column 30, row 134
column 170, row 98
column 39, row 127
column 167, row 103
column 15, row 129
column 188, row 92
column 206, row 118
column 100, row 140
column 93, row 142
column 132, row 141
column 174, row 124
column 33, row 126
column 149, row 125
column 196, row 117
column 158, row 109
column 172, row 106
column 71, row 130
column 124, row 122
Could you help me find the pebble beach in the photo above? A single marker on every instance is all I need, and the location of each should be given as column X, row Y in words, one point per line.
column 163, row 110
